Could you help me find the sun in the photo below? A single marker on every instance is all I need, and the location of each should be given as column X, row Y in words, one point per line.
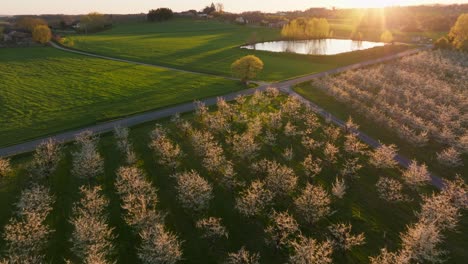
column 375, row 3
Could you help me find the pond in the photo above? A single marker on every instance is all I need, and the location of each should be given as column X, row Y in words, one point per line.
column 314, row 47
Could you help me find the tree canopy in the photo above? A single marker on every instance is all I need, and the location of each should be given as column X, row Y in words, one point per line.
column 314, row 28
column 160, row 14
column 93, row 22
column 42, row 34
column 29, row 23
column 247, row 68
column 386, row 37
column 459, row 33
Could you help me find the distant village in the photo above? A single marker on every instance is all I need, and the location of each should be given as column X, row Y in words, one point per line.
column 13, row 32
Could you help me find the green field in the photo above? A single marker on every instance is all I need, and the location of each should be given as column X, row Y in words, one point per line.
column 381, row 221
column 210, row 46
column 44, row 91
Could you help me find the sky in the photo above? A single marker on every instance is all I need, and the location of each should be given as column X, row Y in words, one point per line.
column 12, row 7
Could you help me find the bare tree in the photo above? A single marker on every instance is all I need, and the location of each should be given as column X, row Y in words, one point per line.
column 193, row 191
column 310, row 251
column 254, row 200
column 243, row 257
column 313, row 203
column 342, row 237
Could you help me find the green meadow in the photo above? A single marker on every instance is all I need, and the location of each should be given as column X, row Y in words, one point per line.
column 211, row 47
column 45, row 91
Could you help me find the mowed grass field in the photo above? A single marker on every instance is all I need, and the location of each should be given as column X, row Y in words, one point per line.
column 44, row 91
column 211, row 46
column 380, row 220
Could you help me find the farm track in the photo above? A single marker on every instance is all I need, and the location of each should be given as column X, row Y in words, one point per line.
column 284, row 86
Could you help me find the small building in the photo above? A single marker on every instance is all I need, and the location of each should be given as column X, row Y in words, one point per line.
column 241, row 20
column 279, row 24
column 17, row 37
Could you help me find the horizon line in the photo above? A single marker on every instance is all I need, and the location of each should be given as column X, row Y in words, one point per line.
column 239, row 12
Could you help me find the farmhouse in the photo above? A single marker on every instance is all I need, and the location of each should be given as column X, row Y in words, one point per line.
column 241, row 20
column 17, row 36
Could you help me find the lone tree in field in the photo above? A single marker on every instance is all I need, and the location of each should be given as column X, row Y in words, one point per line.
column 160, row 14
column 386, row 37
column 459, row 33
column 41, row 34
column 247, row 68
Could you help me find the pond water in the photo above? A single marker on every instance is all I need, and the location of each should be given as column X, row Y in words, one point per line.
column 314, row 47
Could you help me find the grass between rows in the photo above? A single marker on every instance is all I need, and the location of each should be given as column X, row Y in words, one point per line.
column 381, row 221
column 45, row 91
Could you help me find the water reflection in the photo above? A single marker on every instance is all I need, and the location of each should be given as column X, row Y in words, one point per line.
column 314, row 47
